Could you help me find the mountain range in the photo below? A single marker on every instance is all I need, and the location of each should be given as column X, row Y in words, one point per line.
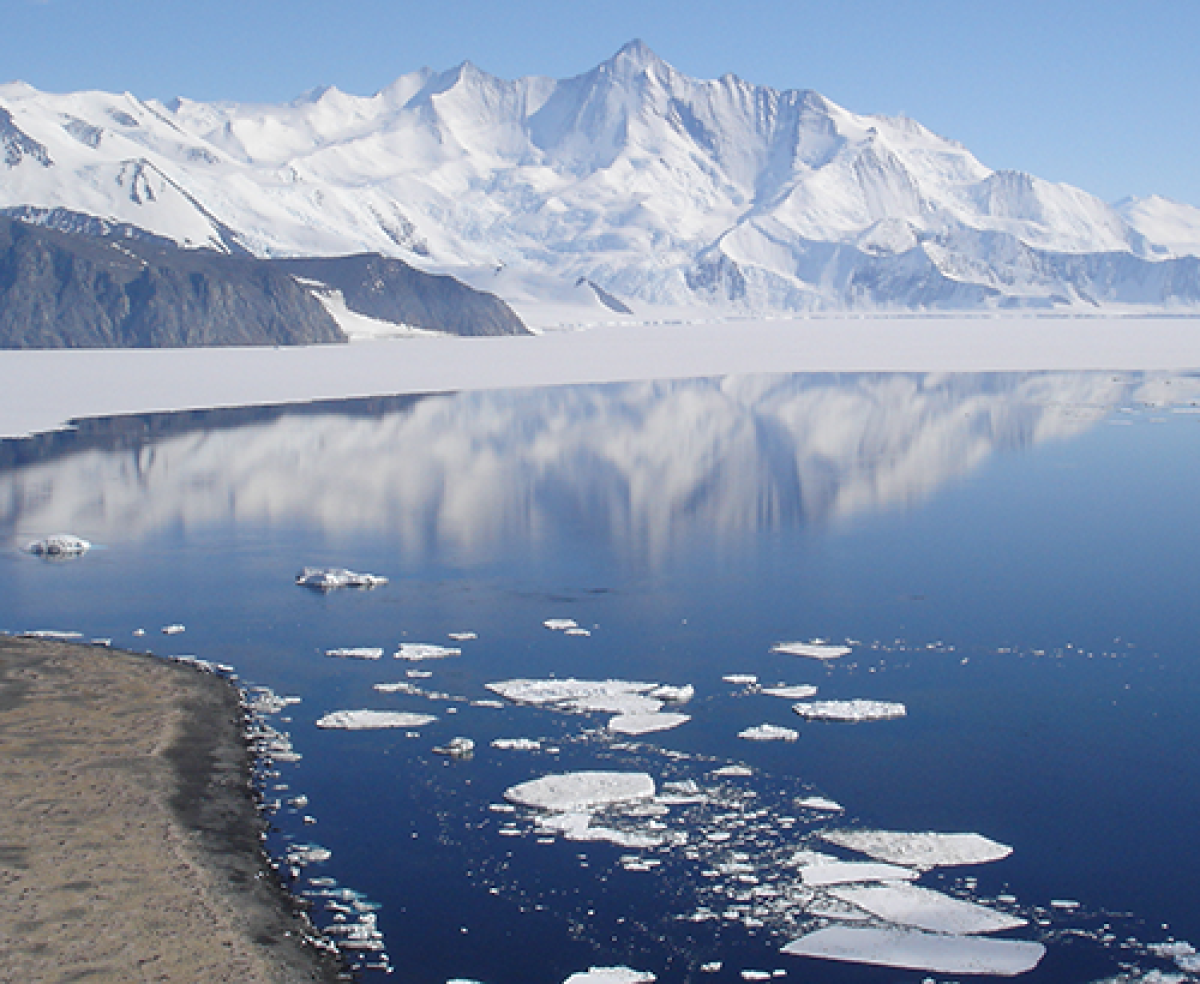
column 628, row 191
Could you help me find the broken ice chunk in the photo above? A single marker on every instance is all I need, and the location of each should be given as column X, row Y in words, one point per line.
column 817, row 649
column 329, row 578
column 923, row 908
column 733, row 770
column 914, row 950
column 364, row 720
column 356, row 652
column 577, row 792
column 769, row 732
column 416, row 651
column 676, row 695
column 850, row 872
column 462, row 636
column 456, row 748
column 820, row 803
column 798, row 692
column 740, row 679
column 642, row 724
column 920, row 850
column 850, row 710
column 560, row 624
column 611, row 975
column 59, row 545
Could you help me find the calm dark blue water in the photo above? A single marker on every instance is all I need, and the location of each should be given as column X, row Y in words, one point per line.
column 1013, row 557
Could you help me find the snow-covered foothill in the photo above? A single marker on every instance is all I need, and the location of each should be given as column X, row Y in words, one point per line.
column 59, row 545
column 924, row 849
column 923, row 908
column 415, row 652
column 768, row 732
column 817, row 649
column 853, row 711
column 331, row 578
column 366, row 720
column 915, row 950
column 579, row 792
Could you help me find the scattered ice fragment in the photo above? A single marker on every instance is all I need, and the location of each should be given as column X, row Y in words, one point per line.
column 363, row 720
column 577, row 630
column 462, row 636
column 798, row 692
column 851, row 872
column 456, row 748
column 577, row 826
column 1067, row 905
column 173, row 629
column 915, row 950
column 849, row 710
column 712, row 967
column 921, row 850
column 329, row 578
column 923, row 908
column 402, row 687
column 560, row 624
column 417, row 651
column 576, row 792
column 642, row 724
column 356, row 652
column 517, row 744
column 611, row 975
column 676, row 695
column 820, row 803
column 817, row 649
column 733, row 770
column 756, row 975
column 139, row 632
column 59, row 545
column 740, row 679
column 769, row 732
column 301, row 854
column 622, row 697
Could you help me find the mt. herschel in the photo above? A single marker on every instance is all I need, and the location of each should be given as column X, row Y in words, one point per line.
column 631, row 186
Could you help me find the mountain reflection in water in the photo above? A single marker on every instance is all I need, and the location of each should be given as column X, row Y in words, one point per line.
column 645, row 463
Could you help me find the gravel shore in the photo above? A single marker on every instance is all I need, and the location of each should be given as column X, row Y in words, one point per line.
column 130, row 845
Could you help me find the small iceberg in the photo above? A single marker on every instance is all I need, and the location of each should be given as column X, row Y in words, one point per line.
column 60, row 545
column 817, row 649
column 769, row 732
column 912, row 949
column 367, row 720
column 461, row 748
column 331, row 578
column 853, row 711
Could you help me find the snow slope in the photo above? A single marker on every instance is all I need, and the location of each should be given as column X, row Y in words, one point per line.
column 667, row 193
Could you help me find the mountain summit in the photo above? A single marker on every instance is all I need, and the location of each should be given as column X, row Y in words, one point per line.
column 631, row 182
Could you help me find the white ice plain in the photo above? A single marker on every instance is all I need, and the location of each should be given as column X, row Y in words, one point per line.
column 920, row 850
column 916, row 950
column 368, row 720
column 853, row 711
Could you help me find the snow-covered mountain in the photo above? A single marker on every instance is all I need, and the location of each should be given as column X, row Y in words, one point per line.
column 631, row 185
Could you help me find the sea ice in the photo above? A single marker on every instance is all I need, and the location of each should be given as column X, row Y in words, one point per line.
column 364, row 720
column 174, row 629
column 675, row 695
column 923, row 908
column 356, row 652
column 463, row 636
column 560, row 624
column 642, row 724
column 456, row 748
column 920, row 850
column 416, row 651
column 733, row 770
column 59, row 545
column 578, row 792
column 611, row 975
column 517, row 744
column 817, row 649
column 740, row 679
column 915, row 950
column 578, row 827
column 851, row 872
column 769, row 732
column 328, row 578
column 849, row 710
column 798, row 692
column 820, row 803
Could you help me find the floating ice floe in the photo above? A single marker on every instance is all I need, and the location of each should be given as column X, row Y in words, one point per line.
column 851, row 872
column 578, row 792
column 456, row 748
column 611, row 975
column 329, row 578
column 740, row 679
column 672, row 694
column 59, row 545
column 920, row 850
column 417, row 651
column 817, row 649
column 821, row 803
column 768, row 732
column 923, row 908
column 173, row 629
column 578, row 827
column 462, row 636
column 517, row 744
column 642, row 724
column 915, row 950
column 798, row 692
column 850, row 710
column 365, row 720
column 733, row 770
column 560, row 624
column 356, row 652
column 52, row 634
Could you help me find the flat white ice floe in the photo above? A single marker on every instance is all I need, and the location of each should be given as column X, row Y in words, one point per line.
column 920, row 850
column 821, row 803
column 851, row 872
column 59, row 545
column 798, row 692
column 417, row 651
column 462, row 636
column 329, row 578
column 817, row 649
column 517, row 744
column 769, row 732
column 923, row 908
column 850, row 710
column 366, row 720
column 915, row 950
column 356, row 652
column 642, row 724
column 611, row 975
column 578, row 827
column 578, row 792
column 560, row 624
column 740, row 679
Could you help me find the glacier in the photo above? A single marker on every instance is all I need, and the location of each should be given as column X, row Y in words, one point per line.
column 629, row 192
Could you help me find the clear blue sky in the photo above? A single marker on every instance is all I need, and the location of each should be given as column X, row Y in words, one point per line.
column 1103, row 95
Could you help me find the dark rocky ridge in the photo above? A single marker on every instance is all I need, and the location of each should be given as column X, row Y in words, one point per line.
column 92, row 284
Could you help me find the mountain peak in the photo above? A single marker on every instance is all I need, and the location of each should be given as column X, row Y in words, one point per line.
column 636, row 56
